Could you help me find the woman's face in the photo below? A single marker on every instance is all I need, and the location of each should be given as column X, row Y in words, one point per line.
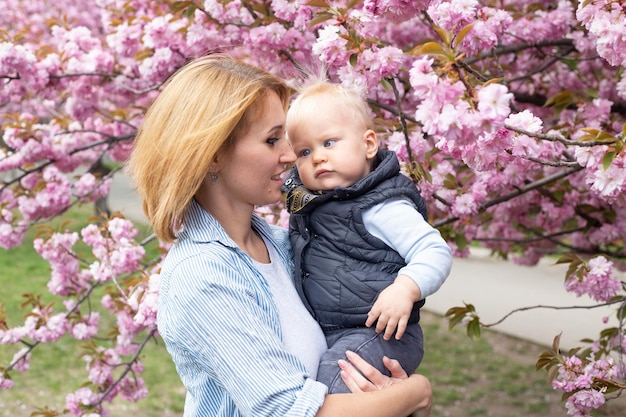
column 250, row 171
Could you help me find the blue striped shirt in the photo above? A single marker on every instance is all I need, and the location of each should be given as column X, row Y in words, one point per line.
column 222, row 329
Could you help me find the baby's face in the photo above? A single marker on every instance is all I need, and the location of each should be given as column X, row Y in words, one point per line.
column 332, row 149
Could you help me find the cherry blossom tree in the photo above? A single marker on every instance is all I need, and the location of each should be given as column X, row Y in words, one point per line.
column 508, row 114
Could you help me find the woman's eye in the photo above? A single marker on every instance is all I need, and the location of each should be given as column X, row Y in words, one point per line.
column 272, row 140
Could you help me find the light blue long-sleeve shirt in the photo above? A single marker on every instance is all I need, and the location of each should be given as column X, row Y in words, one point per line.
column 427, row 255
column 221, row 326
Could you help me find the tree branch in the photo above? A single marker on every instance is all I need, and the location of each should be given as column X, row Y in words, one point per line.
column 522, row 190
column 517, row 310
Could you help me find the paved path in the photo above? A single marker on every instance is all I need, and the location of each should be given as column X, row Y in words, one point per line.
column 494, row 287
column 123, row 198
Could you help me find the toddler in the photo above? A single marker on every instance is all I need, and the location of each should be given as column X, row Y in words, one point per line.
column 365, row 254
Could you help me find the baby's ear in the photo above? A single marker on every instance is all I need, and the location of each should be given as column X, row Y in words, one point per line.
column 371, row 142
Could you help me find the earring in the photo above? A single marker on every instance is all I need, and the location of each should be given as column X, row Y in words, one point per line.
column 213, row 174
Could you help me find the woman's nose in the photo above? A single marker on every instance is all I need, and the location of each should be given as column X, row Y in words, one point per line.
column 288, row 155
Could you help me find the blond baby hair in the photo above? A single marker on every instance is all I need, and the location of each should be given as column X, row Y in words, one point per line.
column 313, row 95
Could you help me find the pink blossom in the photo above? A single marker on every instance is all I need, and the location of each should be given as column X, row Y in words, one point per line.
column 42, row 326
column 396, row 142
column 354, row 79
column 453, row 14
column 397, row 8
column 122, row 230
column 125, row 38
column 525, row 121
column 230, row 12
column 21, row 360
column 493, row 102
column 145, row 301
column 609, row 182
column 52, row 199
column 530, row 257
column 382, row 62
column 82, row 397
column 525, row 146
column 597, row 280
column 91, row 235
column 284, row 9
column 621, row 88
column 133, row 388
column 596, row 113
column 89, row 188
column 464, row 205
column 101, row 374
column 119, row 153
column 330, row 47
column 86, row 328
column 161, row 32
column 65, row 277
column 605, row 20
column 590, row 156
column 486, row 30
column 5, row 381
column 13, row 335
column 127, row 325
column 582, row 402
column 158, row 65
column 267, row 37
column 11, row 235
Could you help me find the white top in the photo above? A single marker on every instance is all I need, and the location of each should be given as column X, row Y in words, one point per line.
column 302, row 335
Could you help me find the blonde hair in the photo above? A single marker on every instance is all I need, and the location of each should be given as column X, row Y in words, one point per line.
column 203, row 108
column 312, row 95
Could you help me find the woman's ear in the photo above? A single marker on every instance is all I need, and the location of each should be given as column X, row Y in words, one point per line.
column 371, row 143
column 218, row 159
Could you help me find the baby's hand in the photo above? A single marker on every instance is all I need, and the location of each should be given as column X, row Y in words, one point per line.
column 393, row 307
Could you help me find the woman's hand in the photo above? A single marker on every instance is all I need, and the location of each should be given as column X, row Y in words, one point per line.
column 360, row 376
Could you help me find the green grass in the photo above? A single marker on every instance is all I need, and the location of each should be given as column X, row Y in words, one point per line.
column 490, row 376
column 471, row 379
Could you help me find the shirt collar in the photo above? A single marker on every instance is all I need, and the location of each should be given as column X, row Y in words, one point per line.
column 200, row 226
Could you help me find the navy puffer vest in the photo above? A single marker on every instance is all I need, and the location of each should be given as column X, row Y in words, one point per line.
column 340, row 267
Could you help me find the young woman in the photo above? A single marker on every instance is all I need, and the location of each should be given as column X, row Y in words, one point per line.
column 210, row 149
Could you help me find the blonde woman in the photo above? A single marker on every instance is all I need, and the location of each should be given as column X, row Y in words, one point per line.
column 212, row 147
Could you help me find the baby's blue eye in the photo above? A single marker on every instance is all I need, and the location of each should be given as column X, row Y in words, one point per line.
column 329, row 143
column 305, row 152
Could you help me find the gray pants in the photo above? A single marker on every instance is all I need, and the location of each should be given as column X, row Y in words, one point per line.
column 371, row 346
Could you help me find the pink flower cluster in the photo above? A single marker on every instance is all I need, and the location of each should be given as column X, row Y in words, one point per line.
column 580, row 378
column 116, row 253
column 597, row 281
column 114, row 248
column 100, row 367
column 605, row 20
